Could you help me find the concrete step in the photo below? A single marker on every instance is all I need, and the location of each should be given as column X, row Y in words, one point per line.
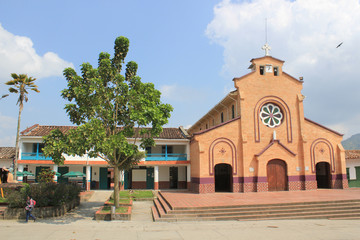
column 347, row 209
column 260, row 208
column 164, row 203
column 268, row 205
column 265, row 212
column 155, row 214
column 343, row 215
column 159, row 208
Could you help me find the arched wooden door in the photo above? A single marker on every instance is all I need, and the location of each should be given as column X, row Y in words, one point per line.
column 277, row 175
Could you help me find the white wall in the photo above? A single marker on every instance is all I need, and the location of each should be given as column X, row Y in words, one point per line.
column 182, row 173
column 351, row 164
column 164, row 173
column 139, row 175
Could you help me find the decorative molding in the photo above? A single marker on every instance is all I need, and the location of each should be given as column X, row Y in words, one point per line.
column 272, row 143
column 312, row 153
column 284, row 107
column 233, row 154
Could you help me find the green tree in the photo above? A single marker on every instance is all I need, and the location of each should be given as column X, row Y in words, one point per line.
column 114, row 112
column 20, row 85
column 46, row 176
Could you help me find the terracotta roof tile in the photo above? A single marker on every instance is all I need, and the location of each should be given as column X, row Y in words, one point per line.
column 7, row 152
column 39, row 131
column 352, row 154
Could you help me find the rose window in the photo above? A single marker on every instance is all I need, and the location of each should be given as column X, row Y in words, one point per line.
column 271, row 115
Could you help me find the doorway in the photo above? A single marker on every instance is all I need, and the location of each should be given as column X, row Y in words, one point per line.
column 62, row 171
column 173, row 171
column 127, row 179
column 223, row 178
column 277, row 175
column 103, row 178
column 323, row 175
column 150, row 178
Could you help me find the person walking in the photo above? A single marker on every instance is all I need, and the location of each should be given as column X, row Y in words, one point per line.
column 30, row 204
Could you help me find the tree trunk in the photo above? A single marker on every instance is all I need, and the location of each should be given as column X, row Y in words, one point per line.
column 116, row 186
column 17, row 142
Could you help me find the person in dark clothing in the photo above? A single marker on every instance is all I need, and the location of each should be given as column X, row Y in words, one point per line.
column 30, row 204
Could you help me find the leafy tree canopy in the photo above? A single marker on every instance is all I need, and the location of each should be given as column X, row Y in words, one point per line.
column 109, row 108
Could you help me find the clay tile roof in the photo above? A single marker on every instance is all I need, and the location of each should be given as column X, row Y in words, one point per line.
column 7, row 152
column 352, row 154
column 39, row 131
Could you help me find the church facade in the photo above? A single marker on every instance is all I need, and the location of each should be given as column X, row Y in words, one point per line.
column 257, row 139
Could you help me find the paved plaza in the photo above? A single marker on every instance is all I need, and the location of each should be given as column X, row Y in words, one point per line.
column 79, row 224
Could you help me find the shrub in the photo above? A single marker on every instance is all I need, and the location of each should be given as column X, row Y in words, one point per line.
column 46, row 176
column 45, row 194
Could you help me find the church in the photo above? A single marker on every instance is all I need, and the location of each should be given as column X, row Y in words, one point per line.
column 257, row 138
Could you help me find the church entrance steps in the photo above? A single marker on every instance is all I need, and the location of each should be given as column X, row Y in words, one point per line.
column 338, row 209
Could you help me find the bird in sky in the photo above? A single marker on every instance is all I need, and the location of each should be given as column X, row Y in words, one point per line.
column 339, row 45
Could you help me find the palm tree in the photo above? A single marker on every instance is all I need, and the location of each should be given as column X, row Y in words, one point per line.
column 20, row 85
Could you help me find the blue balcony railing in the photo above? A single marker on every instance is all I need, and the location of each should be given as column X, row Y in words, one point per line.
column 34, row 156
column 166, row 157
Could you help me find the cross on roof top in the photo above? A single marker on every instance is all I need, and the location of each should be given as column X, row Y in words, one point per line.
column 267, row 48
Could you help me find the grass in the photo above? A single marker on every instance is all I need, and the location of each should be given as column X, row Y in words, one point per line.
column 2, row 200
column 121, row 200
column 107, row 209
column 142, row 194
column 135, row 194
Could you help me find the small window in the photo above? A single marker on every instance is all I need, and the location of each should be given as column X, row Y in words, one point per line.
column 206, row 126
column 222, row 117
column 262, row 70
column 232, row 111
column 276, row 71
column 148, row 150
column 348, row 173
column 39, row 146
column 169, row 149
column 357, row 171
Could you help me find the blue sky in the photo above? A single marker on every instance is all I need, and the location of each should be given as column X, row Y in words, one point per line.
column 190, row 50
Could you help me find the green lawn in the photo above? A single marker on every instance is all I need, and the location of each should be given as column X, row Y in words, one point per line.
column 142, row 194
column 135, row 194
column 107, row 209
column 2, row 200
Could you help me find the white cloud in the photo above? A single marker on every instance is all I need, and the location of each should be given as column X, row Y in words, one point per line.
column 348, row 127
column 17, row 55
column 304, row 34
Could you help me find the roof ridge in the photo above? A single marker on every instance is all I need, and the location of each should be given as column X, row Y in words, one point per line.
column 29, row 129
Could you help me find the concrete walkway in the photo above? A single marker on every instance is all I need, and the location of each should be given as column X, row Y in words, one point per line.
column 141, row 211
column 85, row 211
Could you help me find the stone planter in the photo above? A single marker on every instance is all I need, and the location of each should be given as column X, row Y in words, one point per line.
column 107, row 216
column 41, row 212
column 107, row 203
